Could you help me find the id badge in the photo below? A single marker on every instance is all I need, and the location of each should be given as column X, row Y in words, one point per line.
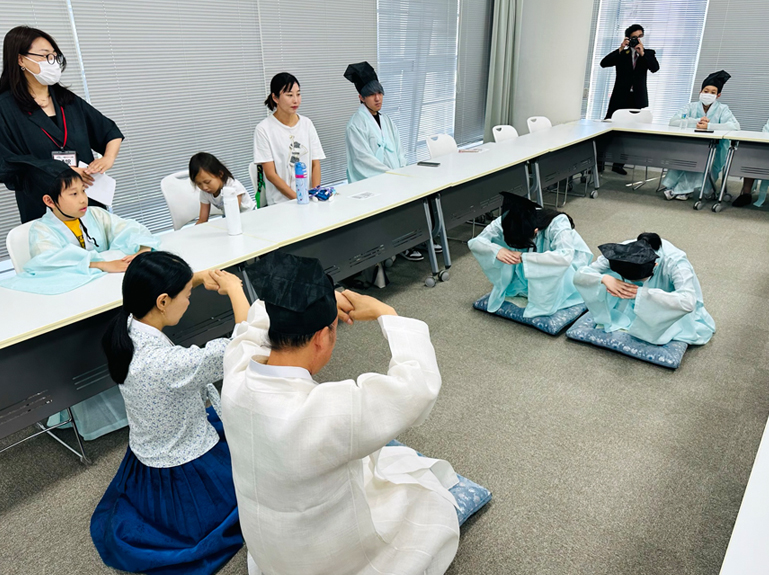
column 69, row 158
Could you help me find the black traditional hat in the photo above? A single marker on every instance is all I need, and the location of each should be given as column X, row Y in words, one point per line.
column 365, row 79
column 717, row 79
column 297, row 293
column 633, row 261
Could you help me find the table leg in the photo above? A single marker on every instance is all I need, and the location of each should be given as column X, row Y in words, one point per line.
column 708, row 167
column 596, row 177
column 538, row 183
column 727, row 169
column 442, row 231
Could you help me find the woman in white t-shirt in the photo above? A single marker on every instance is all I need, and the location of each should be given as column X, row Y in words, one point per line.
column 284, row 138
column 210, row 177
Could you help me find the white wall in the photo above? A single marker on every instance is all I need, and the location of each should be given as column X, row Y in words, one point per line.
column 551, row 55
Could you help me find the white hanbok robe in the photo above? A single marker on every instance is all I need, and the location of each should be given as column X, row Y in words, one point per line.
column 318, row 492
column 668, row 306
column 372, row 150
column 59, row 264
column 681, row 182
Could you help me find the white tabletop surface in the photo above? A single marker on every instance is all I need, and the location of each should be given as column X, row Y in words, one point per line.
column 25, row 315
column 748, row 551
column 663, row 130
column 745, row 136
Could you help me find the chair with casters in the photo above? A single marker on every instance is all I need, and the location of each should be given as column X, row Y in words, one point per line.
column 503, row 133
column 440, row 145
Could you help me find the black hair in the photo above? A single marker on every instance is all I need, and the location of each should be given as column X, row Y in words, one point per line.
column 518, row 225
column 18, row 42
column 65, row 180
column 633, row 28
column 283, row 341
column 209, row 163
column 149, row 275
column 280, row 83
column 654, row 241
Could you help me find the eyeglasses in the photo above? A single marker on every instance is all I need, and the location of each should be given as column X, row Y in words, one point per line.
column 51, row 58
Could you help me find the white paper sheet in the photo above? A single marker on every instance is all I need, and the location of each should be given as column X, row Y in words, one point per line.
column 103, row 187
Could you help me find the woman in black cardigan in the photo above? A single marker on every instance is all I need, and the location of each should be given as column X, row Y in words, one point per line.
column 42, row 120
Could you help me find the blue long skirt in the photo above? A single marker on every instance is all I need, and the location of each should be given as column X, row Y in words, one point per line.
column 175, row 520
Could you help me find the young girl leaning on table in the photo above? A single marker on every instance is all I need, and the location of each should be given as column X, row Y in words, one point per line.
column 171, row 507
column 68, row 246
column 210, row 177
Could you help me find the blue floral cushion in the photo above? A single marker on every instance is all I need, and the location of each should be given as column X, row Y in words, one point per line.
column 668, row 355
column 550, row 324
column 469, row 495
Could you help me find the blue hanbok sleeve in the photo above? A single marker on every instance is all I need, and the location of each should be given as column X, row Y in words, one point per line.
column 598, row 300
column 361, row 161
column 485, row 248
column 127, row 236
column 397, row 144
column 57, row 266
column 657, row 310
column 724, row 120
column 550, row 273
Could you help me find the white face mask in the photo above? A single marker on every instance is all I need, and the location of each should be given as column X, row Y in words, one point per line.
column 707, row 99
column 49, row 74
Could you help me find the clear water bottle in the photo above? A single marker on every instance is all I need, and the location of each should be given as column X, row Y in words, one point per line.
column 300, row 173
column 232, row 211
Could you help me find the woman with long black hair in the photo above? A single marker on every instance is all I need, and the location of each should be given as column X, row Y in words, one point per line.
column 171, row 507
column 41, row 119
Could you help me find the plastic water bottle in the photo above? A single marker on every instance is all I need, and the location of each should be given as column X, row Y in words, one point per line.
column 232, row 211
column 300, row 173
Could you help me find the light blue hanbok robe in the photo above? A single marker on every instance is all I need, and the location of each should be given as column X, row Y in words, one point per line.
column 544, row 276
column 762, row 185
column 59, row 264
column 372, row 150
column 667, row 307
column 681, row 182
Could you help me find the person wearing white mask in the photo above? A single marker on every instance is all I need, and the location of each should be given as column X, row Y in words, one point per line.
column 705, row 114
column 40, row 118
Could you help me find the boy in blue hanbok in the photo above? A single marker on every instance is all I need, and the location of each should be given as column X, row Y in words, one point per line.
column 648, row 288
column 706, row 114
column 533, row 252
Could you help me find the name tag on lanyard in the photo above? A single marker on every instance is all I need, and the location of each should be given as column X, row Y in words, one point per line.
column 69, row 157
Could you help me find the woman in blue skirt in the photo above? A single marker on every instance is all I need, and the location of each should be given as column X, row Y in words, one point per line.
column 171, row 508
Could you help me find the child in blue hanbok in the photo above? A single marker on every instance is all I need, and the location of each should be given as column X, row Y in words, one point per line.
column 706, row 114
column 533, row 252
column 648, row 288
column 171, row 507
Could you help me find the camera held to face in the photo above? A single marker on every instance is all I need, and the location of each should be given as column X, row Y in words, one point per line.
column 633, row 42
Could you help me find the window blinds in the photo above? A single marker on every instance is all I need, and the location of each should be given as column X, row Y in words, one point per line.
column 51, row 16
column 417, row 67
column 673, row 28
column 734, row 41
column 473, row 69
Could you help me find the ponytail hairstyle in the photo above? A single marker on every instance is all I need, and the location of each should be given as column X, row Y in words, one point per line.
column 654, row 241
column 209, row 163
column 280, row 83
column 150, row 275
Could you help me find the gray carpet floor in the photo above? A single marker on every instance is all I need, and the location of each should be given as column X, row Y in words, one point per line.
column 598, row 463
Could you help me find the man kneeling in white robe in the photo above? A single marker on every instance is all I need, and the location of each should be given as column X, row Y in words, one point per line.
column 318, row 492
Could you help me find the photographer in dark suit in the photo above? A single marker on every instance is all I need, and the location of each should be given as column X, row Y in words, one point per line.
column 632, row 61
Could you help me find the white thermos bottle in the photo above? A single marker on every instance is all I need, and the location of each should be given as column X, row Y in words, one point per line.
column 232, row 211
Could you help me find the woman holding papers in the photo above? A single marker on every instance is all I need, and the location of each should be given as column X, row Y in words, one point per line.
column 41, row 119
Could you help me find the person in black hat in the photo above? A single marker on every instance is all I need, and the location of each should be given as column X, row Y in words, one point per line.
column 648, row 288
column 316, row 453
column 533, row 252
column 373, row 140
column 708, row 113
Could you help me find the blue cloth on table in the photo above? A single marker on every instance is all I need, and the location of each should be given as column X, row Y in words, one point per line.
column 550, row 324
column 173, row 520
column 668, row 355
column 469, row 495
